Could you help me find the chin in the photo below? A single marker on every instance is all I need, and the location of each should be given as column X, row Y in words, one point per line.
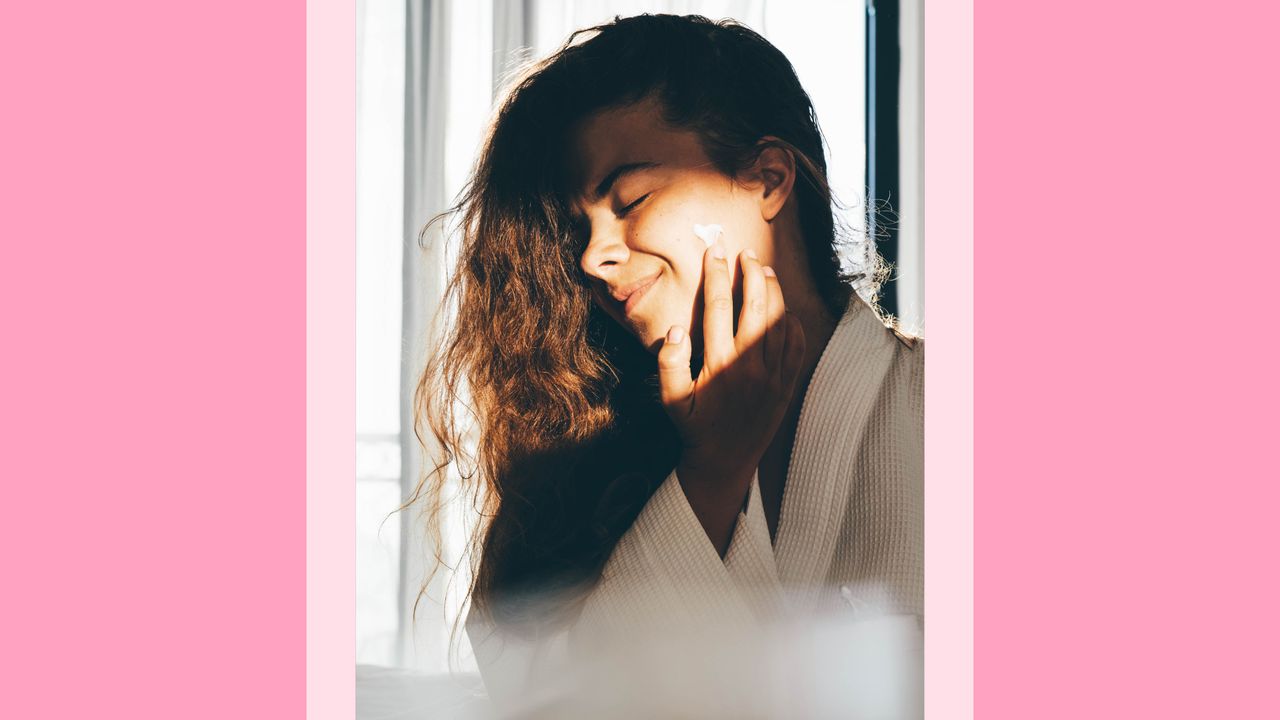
column 651, row 330
column 647, row 335
column 653, row 343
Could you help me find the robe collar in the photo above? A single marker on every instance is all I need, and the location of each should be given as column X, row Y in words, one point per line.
column 833, row 419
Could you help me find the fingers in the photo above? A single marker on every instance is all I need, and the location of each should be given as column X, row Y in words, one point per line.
column 775, row 320
column 675, row 382
column 754, row 313
column 717, row 309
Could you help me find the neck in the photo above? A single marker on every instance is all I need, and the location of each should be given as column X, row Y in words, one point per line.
column 819, row 325
column 803, row 300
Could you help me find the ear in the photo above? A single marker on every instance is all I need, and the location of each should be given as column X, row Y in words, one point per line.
column 776, row 170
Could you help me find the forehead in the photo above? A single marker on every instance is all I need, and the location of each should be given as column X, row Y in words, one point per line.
column 630, row 134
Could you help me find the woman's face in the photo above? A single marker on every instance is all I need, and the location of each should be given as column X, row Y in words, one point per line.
column 643, row 187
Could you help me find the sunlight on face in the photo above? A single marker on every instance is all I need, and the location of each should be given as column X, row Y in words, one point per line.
column 656, row 184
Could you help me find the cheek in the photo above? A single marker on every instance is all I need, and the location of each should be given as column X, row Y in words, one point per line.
column 670, row 238
column 668, row 232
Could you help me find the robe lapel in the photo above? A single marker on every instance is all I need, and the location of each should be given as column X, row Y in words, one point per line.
column 833, row 416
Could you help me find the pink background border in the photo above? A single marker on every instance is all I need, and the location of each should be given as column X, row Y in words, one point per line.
column 1126, row 417
column 152, row 416
column 153, row 292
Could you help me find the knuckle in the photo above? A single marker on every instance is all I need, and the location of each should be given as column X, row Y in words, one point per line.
column 758, row 306
column 720, row 302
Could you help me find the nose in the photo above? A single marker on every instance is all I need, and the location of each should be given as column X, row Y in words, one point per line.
column 605, row 251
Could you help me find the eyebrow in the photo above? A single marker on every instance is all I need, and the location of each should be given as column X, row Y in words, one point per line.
column 607, row 183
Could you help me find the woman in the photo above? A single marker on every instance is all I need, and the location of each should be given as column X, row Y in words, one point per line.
column 648, row 294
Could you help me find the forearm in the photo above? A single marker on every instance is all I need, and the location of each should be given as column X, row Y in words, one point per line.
column 716, row 493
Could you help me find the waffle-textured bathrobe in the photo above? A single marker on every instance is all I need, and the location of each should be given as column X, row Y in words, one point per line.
column 850, row 537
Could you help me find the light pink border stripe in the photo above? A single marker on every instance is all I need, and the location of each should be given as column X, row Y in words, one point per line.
column 948, row 182
column 330, row 360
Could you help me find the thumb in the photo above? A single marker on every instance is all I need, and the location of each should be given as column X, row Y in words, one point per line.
column 674, row 378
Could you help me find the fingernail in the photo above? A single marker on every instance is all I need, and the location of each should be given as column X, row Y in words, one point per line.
column 768, row 272
column 752, row 254
column 675, row 335
column 717, row 251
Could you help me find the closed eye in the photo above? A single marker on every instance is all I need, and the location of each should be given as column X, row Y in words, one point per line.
column 624, row 211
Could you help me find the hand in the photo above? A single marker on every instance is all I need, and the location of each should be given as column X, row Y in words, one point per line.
column 729, row 414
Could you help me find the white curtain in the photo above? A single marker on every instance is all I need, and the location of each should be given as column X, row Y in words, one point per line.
column 427, row 74
column 380, row 140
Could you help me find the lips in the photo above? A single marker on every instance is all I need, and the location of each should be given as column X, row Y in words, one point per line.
column 630, row 295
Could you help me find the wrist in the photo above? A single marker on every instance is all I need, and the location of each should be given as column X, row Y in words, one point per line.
column 714, row 479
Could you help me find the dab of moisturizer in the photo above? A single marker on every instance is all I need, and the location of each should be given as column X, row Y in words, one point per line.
column 708, row 233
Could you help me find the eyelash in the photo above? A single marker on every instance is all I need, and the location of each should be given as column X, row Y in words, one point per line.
column 581, row 230
column 632, row 206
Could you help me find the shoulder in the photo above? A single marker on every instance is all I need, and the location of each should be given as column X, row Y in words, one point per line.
column 904, row 380
column 907, row 339
column 892, row 326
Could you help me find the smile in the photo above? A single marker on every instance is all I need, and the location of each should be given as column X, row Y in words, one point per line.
column 630, row 305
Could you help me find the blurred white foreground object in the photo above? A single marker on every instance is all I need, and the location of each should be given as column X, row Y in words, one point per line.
column 385, row 693
column 834, row 667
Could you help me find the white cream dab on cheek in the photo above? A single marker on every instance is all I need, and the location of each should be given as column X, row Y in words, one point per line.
column 708, row 233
